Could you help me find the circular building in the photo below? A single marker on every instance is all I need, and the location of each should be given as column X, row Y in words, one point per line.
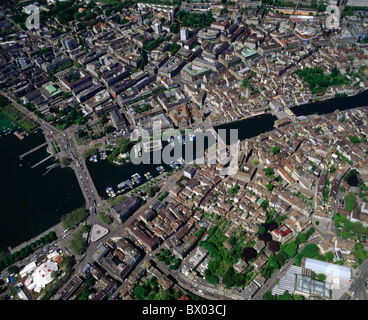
column 42, row 275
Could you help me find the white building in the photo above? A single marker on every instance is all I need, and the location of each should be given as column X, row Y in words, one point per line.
column 184, row 34
column 158, row 28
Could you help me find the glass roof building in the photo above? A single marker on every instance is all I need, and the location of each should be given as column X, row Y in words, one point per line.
column 328, row 269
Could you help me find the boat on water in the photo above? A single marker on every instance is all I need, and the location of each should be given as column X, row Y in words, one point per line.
column 137, row 178
column 20, row 135
column 129, row 184
column 122, row 184
column 95, row 158
column 160, row 169
column 91, row 158
column 148, row 176
column 110, row 191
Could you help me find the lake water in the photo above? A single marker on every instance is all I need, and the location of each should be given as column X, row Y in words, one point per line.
column 31, row 202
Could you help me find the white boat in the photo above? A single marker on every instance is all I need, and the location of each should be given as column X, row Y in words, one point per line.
column 136, row 177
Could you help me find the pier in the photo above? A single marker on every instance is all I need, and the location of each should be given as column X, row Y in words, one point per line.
column 49, row 168
column 42, row 161
column 33, row 150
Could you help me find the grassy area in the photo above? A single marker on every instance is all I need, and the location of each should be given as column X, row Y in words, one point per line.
column 22, row 120
column 55, row 148
column 6, row 122
column 116, row 200
column 350, row 199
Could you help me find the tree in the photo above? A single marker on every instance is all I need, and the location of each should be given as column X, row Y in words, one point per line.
column 77, row 244
column 273, row 263
column 64, row 161
column 265, row 237
column 329, row 256
column 275, row 150
column 321, row 277
column 140, row 292
column 268, row 296
column 301, row 238
column 290, row 249
column 269, row 171
column 66, row 263
column 89, row 152
column 4, row 101
column 274, row 246
column 71, row 219
column 310, row 250
column 272, row 225
column 355, row 139
column 249, row 253
column 232, row 278
column 211, row 278
column 262, row 229
column 13, row 270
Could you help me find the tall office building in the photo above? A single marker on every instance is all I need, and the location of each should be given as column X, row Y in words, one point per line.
column 68, row 43
column 158, row 27
column 171, row 16
column 184, row 34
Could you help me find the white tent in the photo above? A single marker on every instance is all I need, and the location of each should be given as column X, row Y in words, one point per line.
column 27, row 269
column 42, row 275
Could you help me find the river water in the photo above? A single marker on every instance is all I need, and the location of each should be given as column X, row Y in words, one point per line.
column 32, row 203
column 106, row 174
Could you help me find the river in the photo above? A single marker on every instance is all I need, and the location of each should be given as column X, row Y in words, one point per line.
column 328, row 106
column 32, row 203
column 105, row 174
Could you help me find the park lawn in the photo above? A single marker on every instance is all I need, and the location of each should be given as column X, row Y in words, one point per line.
column 222, row 269
column 350, row 199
